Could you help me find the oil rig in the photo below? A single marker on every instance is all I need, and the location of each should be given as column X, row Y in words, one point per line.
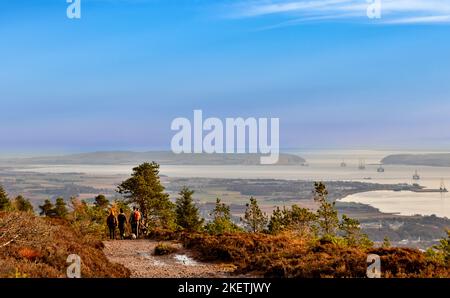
column 442, row 188
column 362, row 164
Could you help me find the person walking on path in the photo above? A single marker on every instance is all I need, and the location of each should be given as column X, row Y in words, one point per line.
column 122, row 219
column 135, row 220
column 138, row 218
column 133, row 223
column 111, row 221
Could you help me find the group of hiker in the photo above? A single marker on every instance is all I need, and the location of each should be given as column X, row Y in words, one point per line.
column 120, row 222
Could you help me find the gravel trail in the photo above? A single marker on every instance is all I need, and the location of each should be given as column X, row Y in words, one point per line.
column 137, row 255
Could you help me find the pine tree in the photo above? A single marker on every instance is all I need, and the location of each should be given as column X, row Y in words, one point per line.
column 254, row 218
column 443, row 248
column 301, row 221
column 47, row 209
column 352, row 232
column 60, row 208
column 144, row 189
column 326, row 214
column 297, row 219
column 5, row 203
column 101, row 202
column 350, row 227
column 221, row 210
column 277, row 222
column 440, row 253
column 221, row 222
column 187, row 213
column 22, row 204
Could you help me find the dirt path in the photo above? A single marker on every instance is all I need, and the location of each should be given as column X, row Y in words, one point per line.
column 137, row 255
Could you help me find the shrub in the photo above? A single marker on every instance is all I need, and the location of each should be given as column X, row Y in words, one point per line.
column 164, row 249
column 22, row 204
column 5, row 202
column 288, row 255
column 29, row 253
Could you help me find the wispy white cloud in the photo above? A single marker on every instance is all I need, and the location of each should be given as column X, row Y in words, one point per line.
column 392, row 11
column 421, row 20
column 253, row 8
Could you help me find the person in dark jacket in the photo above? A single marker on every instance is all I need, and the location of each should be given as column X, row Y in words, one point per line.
column 122, row 219
column 111, row 221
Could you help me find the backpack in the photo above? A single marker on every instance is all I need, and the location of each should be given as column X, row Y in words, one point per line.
column 122, row 219
column 137, row 216
column 112, row 221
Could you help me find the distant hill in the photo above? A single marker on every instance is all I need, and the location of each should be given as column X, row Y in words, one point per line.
column 432, row 159
column 162, row 157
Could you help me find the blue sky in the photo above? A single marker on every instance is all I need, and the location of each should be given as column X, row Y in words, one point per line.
column 117, row 77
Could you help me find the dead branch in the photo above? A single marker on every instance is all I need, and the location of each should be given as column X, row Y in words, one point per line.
column 10, row 241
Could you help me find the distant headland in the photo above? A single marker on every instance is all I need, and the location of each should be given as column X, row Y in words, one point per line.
column 163, row 157
column 431, row 159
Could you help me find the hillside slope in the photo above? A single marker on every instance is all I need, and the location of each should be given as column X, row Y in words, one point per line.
column 292, row 257
column 31, row 246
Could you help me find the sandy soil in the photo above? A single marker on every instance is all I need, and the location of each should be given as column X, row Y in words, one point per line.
column 137, row 255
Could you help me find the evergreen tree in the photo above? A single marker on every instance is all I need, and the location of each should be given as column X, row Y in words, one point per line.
column 187, row 213
column 221, row 222
column 101, row 202
column 254, row 218
column 277, row 222
column 350, row 228
column 48, row 209
column 443, row 249
column 22, row 204
column 353, row 235
column 297, row 219
column 301, row 220
column 61, row 208
column 5, row 203
column 144, row 189
column 327, row 217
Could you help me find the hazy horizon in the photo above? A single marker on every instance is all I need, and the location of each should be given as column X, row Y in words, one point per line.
column 43, row 153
